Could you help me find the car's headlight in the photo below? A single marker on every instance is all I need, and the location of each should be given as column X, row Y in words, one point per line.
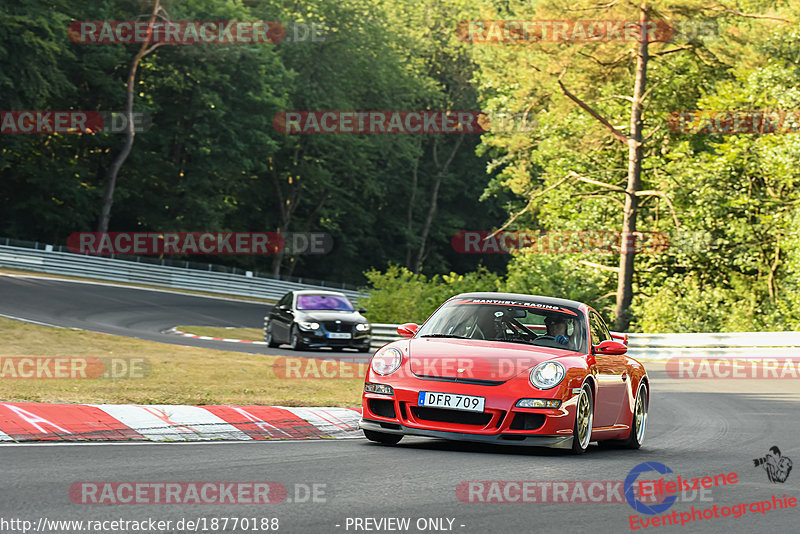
column 547, row 375
column 308, row 326
column 362, row 327
column 386, row 361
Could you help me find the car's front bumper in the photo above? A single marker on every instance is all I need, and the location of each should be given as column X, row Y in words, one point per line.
column 527, row 440
column 315, row 339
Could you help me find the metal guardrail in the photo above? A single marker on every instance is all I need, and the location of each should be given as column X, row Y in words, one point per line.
column 383, row 333
column 247, row 284
column 664, row 346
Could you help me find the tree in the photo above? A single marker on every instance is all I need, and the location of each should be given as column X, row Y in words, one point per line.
column 563, row 154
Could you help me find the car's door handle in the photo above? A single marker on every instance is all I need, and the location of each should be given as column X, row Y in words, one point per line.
column 624, row 375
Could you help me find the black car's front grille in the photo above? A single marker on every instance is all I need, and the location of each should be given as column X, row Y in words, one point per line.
column 443, row 415
column 333, row 326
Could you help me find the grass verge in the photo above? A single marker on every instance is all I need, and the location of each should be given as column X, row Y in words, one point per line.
column 178, row 375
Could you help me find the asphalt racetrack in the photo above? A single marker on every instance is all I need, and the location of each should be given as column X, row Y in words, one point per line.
column 696, row 428
column 134, row 312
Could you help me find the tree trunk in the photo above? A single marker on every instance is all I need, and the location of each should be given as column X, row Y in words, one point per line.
column 113, row 170
column 441, row 172
column 412, row 198
column 628, row 238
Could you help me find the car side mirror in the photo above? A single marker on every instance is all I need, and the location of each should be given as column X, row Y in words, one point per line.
column 610, row 348
column 408, row 329
column 283, row 307
column 362, row 310
column 622, row 338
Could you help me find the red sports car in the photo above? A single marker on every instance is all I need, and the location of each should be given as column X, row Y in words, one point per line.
column 510, row 369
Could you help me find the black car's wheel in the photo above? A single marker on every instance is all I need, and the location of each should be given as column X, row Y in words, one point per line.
column 380, row 437
column 268, row 336
column 639, row 424
column 582, row 431
column 295, row 341
column 364, row 349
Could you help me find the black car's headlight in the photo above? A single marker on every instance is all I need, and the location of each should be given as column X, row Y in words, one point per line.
column 362, row 327
column 308, row 325
column 547, row 375
column 386, row 361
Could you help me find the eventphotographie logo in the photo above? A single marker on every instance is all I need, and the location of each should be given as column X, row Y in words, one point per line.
column 777, row 467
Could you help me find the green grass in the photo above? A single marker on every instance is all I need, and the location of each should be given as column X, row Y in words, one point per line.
column 179, row 375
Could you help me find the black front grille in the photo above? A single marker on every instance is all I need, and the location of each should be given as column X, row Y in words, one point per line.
column 382, row 408
column 500, row 419
column 333, row 326
column 527, row 421
column 443, row 415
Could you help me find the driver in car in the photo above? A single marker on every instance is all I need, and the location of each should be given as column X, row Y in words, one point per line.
column 488, row 323
column 557, row 328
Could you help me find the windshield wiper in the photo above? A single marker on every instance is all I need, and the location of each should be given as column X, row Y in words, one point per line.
column 446, row 335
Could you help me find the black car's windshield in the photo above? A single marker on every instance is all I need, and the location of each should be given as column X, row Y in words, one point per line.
column 323, row 302
column 528, row 322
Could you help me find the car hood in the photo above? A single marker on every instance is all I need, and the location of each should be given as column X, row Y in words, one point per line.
column 475, row 359
column 328, row 315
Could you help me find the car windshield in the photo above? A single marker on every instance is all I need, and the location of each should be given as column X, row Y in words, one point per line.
column 323, row 302
column 528, row 322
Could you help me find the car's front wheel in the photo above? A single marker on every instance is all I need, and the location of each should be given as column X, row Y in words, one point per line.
column 268, row 337
column 582, row 431
column 296, row 342
column 380, row 437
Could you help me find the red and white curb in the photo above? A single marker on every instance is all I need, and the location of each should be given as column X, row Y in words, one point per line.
column 28, row 421
column 209, row 338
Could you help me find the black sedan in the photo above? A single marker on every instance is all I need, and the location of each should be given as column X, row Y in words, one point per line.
column 313, row 319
